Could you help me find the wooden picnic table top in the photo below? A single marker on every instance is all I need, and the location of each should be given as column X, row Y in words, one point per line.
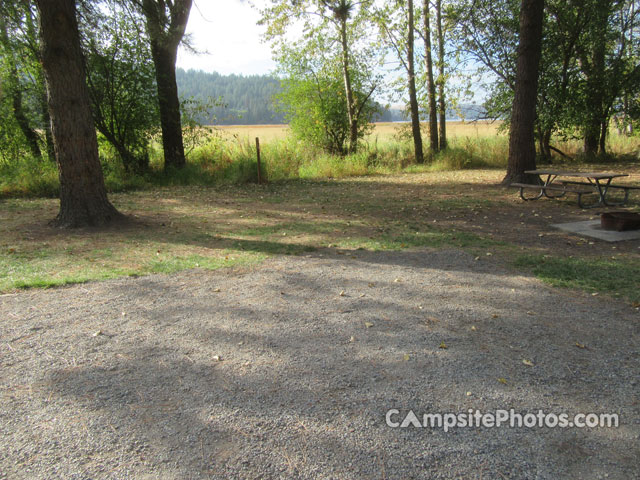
column 561, row 173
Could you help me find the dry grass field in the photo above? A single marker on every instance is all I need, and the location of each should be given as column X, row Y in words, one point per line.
column 381, row 131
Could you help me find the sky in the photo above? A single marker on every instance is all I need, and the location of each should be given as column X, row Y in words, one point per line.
column 227, row 37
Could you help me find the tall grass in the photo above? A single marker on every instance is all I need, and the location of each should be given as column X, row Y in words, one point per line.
column 26, row 176
column 232, row 159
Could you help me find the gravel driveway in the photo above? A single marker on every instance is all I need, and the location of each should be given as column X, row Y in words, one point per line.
column 288, row 369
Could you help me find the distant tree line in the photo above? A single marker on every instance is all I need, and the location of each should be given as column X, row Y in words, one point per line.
column 252, row 100
column 245, row 99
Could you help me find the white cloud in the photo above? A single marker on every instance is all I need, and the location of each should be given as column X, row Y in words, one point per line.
column 228, row 37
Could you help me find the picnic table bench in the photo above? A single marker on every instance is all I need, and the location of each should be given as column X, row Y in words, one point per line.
column 596, row 184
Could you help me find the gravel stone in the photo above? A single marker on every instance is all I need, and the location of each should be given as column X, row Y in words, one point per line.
column 270, row 373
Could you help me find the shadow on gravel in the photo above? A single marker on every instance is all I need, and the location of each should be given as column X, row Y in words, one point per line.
column 289, row 372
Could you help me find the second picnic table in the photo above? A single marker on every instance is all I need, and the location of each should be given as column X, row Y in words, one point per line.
column 596, row 183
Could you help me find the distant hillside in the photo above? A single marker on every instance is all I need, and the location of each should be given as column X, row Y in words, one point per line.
column 249, row 100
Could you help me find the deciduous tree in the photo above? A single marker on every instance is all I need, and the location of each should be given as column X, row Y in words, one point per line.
column 166, row 21
column 522, row 149
column 339, row 23
column 431, row 86
column 397, row 27
column 83, row 196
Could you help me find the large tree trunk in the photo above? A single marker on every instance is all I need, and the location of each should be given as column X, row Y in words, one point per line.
column 522, row 148
column 164, row 59
column 442, row 104
column 591, row 139
column 593, row 67
column 413, row 99
column 83, row 197
column 166, row 24
column 348, row 89
column 431, row 86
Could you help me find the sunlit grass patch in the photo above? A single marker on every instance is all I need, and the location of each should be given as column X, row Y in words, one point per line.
column 429, row 238
column 617, row 277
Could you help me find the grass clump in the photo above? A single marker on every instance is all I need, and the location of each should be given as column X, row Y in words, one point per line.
column 25, row 176
column 596, row 275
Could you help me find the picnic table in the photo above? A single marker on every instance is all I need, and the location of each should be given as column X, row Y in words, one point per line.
column 589, row 183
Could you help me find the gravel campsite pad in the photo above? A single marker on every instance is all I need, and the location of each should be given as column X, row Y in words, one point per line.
column 288, row 369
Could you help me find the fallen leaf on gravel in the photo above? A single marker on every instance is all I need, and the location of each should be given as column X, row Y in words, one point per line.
column 443, row 346
column 502, row 380
column 581, row 345
column 216, row 290
column 528, row 363
column 352, row 339
column 397, row 280
column 99, row 332
column 368, row 324
column 407, row 357
column 341, row 293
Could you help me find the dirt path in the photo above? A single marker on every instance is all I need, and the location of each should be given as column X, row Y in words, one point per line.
column 287, row 371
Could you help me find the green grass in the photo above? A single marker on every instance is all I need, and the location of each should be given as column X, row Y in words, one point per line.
column 616, row 277
column 416, row 239
column 41, row 268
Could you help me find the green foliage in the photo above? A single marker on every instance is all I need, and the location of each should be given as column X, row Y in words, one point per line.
column 22, row 97
column 588, row 71
column 26, row 176
column 192, row 110
column 120, row 77
column 336, row 45
column 316, row 109
column 12, row 143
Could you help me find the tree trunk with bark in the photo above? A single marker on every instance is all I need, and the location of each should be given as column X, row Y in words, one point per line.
column 166, row 24
column 522, row 149
column 593, row 66
column 83, row 196
column 413, row 98
column 442, row 104
column 604, row 130
column 431, row 86
column 348, row 89
column 169, row 103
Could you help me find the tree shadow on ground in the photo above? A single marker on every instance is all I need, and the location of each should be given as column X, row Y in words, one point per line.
column 293, row 396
